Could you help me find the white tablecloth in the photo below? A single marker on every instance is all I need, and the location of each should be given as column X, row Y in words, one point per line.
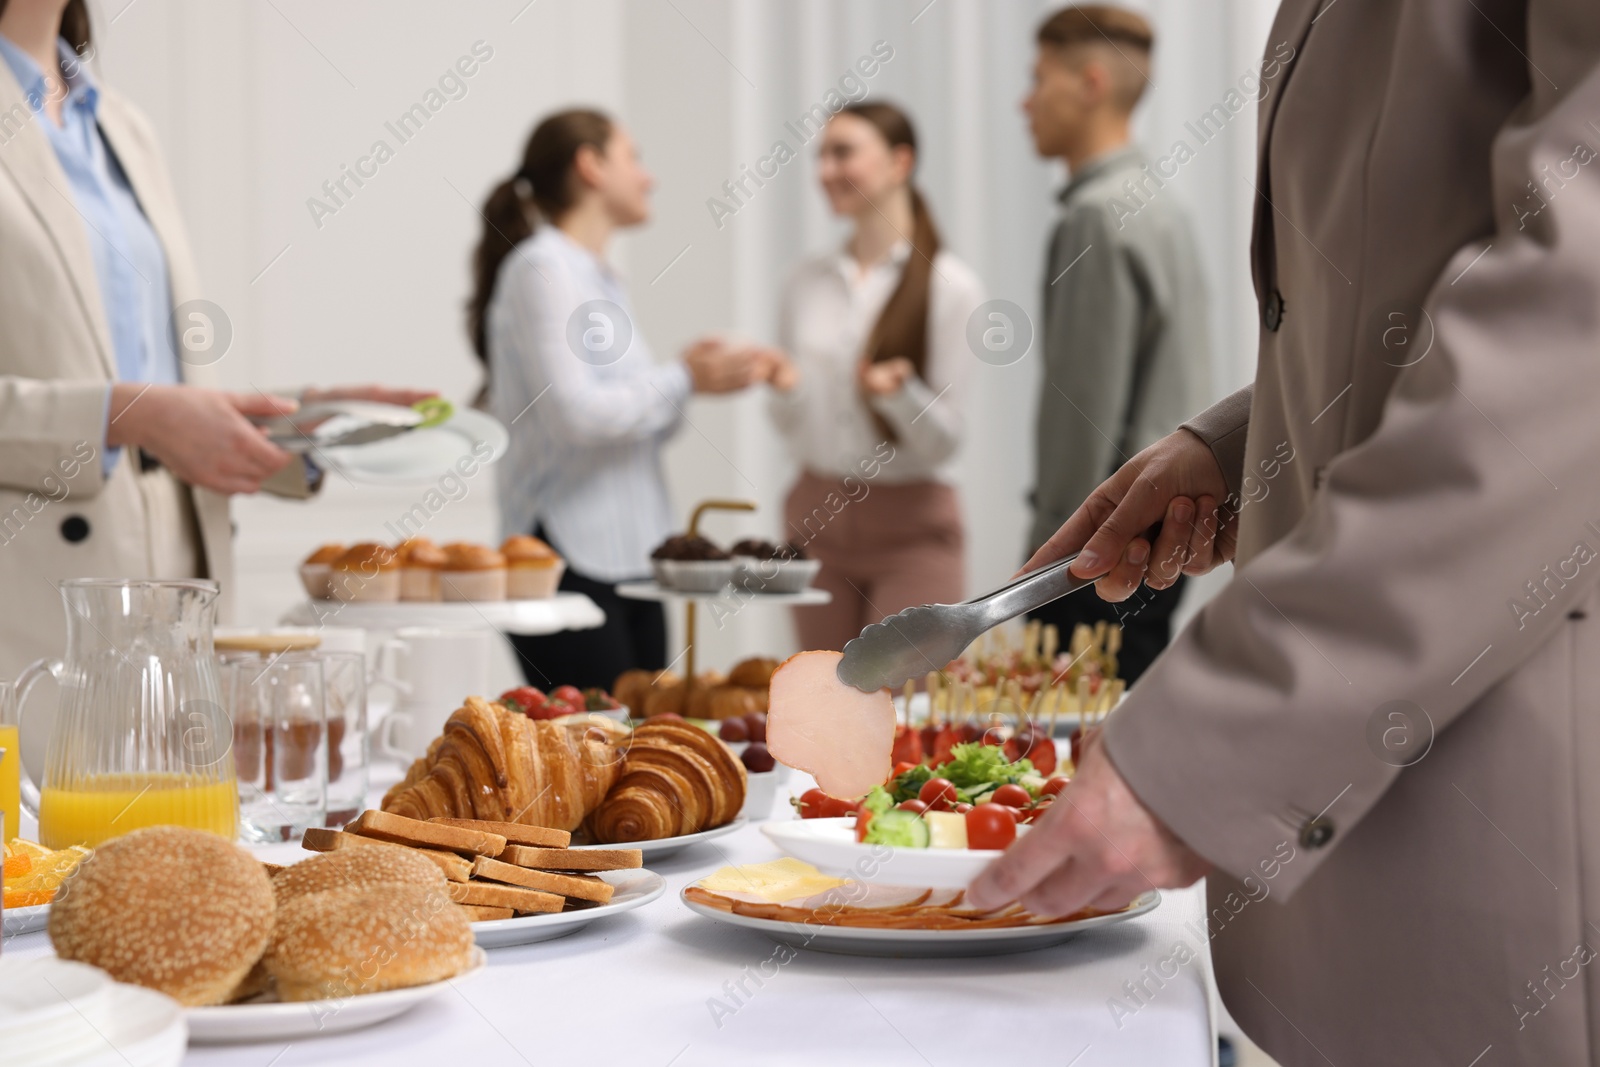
column 642, row 989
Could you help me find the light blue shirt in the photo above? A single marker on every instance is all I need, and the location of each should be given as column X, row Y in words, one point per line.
column 587, row 416
column 129, row 263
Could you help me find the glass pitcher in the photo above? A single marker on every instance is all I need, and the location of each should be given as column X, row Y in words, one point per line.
column 141, row 737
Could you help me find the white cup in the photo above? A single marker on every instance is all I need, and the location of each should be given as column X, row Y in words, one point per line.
column 434, row 671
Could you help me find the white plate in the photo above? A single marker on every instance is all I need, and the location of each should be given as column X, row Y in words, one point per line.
column 273, row 1021
column 547, row 615
column 861, row 941
column 635, row 889
column 830, row 846
column 26, row 920
column 662, row 847
column 56, row 1011
column 421, row 455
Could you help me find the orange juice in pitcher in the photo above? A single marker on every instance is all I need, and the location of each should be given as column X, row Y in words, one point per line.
column 101, row 807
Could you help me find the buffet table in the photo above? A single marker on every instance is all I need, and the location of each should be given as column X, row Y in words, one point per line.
column 660, row 986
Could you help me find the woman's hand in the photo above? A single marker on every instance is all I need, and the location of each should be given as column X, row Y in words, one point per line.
column 886, row 377
column 782, row 374
column 203, row 436
column 1175, row 482
column 715, row 366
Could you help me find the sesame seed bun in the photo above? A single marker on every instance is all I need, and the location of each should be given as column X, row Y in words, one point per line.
column 382, row 864
column 365, row 939
column 171, row 909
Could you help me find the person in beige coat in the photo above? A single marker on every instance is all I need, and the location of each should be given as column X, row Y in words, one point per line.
column 1381, row 738
column 104, row 473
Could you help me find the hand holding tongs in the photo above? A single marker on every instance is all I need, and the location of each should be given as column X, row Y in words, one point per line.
column 925, row 638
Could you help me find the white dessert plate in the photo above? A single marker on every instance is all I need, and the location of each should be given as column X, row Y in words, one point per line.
column 25, row 920
column 57, row 1012
column 662, row 847
column 635, row 889
column 419, row 456
column 830, row 846
column 547, row 615
column 270, row 1020
column 864, row 941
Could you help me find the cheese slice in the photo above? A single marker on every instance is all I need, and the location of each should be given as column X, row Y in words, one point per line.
column 774, row 882
column 946, row 829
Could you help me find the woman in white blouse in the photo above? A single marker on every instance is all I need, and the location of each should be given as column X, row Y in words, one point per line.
column 869, row 397
column 587, row 404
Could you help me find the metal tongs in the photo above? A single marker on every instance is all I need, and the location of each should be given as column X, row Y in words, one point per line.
column 925, row 638
column 338, row 424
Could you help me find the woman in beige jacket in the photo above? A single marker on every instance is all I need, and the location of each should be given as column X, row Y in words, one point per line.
column 116, row 455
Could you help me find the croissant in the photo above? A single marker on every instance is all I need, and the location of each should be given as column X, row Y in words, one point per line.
column 676, row 779
column 490, row 763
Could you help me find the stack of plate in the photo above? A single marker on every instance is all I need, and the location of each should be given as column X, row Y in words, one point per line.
column 54, row 1013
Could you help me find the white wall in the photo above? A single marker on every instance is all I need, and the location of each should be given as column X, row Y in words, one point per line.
column 260, row 103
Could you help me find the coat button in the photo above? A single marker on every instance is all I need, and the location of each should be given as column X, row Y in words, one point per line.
column 1316, row 833
column 1272, row 311
column 74, row 528
column 1319, row 477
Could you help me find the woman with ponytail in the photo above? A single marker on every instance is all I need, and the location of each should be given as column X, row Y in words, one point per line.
column 869, row 396
column 587, row 404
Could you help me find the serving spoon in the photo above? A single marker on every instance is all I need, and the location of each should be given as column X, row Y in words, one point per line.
column 924, row 638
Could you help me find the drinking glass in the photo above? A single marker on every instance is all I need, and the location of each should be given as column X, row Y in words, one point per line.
column 344, row 674
column 280, row 746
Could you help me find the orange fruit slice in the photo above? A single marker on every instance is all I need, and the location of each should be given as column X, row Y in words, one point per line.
column 17, row 866
column 27, row 898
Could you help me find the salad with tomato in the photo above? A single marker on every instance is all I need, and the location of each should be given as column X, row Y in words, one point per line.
column 975, row 799
column 562, row 700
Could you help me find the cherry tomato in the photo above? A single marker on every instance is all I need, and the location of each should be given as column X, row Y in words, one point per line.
column 1053, row 786
column 1012, row 796
column 938, row 793
column 523, row 698
column 863, row 819
column 901, row 768
column 961, row 808
column 1042, row 754
column 990, row 826
column 907, row 746
column 569, row 694
column 1018, row 815
column 815, row 804
column 915, row 806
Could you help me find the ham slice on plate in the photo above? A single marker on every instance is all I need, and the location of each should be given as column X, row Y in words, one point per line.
column 839, row 735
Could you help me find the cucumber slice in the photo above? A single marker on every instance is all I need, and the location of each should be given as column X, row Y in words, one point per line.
column 898, row 829
column 434, row 410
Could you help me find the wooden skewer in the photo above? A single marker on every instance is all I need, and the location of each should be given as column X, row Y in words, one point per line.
column 1083, row 702
column 1055, row 706
column 1052, row 642
column 910, row 691
column 1030, row 642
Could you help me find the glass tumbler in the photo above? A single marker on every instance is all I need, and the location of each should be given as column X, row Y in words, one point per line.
column 280, row 747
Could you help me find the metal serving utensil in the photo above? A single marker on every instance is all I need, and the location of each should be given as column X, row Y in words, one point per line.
column 334, row 424
column 925, row 638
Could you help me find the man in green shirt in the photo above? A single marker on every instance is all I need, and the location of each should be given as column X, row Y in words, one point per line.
column 1124, row 337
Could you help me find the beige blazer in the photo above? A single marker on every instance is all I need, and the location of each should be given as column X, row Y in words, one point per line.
column 56, row 364
column 1419, row 544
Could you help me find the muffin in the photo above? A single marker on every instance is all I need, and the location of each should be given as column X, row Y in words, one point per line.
column 179, row 911
column 367, row 572
column 420, row 563
column 472, row 572
column 692, row 564
column 317, row 570
column 533, row 570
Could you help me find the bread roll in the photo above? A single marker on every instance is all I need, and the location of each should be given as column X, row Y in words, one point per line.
column 179, row 911
column 754, row 672
column 728, row 701
column 664, row 698
column 365, row 939
column 381, row 864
